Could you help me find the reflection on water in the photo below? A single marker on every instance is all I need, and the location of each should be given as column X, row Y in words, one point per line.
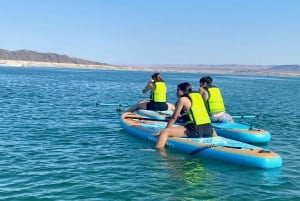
column 193, row 176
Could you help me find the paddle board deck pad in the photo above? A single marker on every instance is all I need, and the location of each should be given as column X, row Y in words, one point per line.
column 218, row 148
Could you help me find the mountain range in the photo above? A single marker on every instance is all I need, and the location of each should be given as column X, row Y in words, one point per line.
column 28, row 55
column 33, row 58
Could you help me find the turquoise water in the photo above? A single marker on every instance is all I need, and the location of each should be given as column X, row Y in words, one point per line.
column 55, row 144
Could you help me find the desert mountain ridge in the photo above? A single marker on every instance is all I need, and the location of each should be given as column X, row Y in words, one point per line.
column 29, row 55
column 32, row 58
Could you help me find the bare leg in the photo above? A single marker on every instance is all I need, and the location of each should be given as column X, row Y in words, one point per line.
column 171, row 107
column 141, row 105
column 231, row 119
column 214, row 133
column 178, row 131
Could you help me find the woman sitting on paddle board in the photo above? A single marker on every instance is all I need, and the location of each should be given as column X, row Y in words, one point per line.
column 214, row 100
column 158, row 96
column 196, row 122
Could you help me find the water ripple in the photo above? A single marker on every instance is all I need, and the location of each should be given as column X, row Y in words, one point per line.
column 55, row 144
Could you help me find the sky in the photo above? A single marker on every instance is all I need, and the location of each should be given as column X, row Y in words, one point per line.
column 147, row 32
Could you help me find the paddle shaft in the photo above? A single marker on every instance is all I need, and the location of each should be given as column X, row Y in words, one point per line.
column 126, row 105
column 148, row 119
column 111, row 104
column 244, row 116
column 211, row 146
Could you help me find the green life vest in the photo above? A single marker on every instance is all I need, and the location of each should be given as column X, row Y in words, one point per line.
column 159, row 94
column 215, row 101
column 198, row 114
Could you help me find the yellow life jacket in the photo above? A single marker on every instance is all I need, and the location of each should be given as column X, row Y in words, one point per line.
column 159, row 94
column 198, row 114
column 215, row 101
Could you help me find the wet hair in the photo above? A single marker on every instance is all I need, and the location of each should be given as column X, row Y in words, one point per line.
column 185, row 87
column 156, row 77
column 206, row 79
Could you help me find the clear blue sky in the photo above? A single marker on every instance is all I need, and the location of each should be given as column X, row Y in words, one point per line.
column 262, row 32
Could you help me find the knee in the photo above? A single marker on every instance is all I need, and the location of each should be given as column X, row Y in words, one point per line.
column 142, row 106
column 214, row 133
column 164, row 133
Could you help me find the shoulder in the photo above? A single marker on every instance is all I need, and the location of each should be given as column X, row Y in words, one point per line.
column 185, row 101
column 151, row 84
column 202, row 90
column 183, row 98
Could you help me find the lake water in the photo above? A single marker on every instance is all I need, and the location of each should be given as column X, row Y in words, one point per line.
column 55, row 144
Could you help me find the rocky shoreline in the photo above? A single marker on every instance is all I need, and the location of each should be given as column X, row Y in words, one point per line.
column 208, row 70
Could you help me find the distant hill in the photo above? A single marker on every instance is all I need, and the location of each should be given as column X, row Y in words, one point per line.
column 28, row 55
column 25, row 58
column 286, row 68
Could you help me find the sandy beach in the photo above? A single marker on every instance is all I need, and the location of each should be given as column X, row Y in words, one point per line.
column 212, row 70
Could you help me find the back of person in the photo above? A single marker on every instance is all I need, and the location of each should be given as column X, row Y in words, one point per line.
column 158, row 96
column 159, row 93
column 214, row 100
column 197, row 120
column 190, row 105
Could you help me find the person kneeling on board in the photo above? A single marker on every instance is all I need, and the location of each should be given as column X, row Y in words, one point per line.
column 196, row 121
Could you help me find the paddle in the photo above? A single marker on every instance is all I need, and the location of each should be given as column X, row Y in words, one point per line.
column 201, row 149
column 244, row 116
column 98, row 104
column 210, row 146
column 111, row 104
column 148, row 119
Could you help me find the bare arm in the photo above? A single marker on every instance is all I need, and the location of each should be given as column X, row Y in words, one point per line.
column 176, row 112
column 204, row 93
column 148, row 87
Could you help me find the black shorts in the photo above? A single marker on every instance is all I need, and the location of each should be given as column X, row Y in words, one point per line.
column 157, row 106
column 194, row 131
